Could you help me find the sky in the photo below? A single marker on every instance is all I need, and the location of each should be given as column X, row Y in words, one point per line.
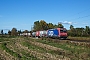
column 22, row 14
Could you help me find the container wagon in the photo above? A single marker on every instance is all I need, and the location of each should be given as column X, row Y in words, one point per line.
column 41, row 33
column 34, row 34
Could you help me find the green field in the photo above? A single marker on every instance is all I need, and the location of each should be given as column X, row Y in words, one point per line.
column 79, row 38
column 26, row 48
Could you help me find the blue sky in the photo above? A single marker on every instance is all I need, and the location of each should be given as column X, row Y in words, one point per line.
column 22, row 14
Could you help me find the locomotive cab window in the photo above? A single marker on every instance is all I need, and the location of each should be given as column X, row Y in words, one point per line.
column 63, row 30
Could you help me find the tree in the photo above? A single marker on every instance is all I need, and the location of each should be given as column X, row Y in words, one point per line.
column 43, row 25
column 87, row 30
column 36, row 26
column 60, row 25
column 19, row 32
column 26, row 31
column 2, row 32
column 72, row 31
column 50, row 26
column 9, row 32
column 14, row 32
column 79, row 31
column 55, row 26
column 40, row 25
column 71, row 27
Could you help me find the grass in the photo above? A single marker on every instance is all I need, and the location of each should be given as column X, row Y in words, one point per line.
column 79, row 38
column 3, row 39
column 28, row 56
column 3, row 46
column 24, row 54
column 37, row 48
column 71, row 49
column 16, row 54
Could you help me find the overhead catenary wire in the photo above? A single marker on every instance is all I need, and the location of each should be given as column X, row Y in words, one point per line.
column 81, row 17
column 77, row 14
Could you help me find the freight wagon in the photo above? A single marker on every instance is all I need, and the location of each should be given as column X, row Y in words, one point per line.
column 34, row 34
column 26, row 34
column 41, row 33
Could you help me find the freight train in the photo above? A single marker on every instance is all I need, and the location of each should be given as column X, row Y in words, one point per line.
column 60, row 33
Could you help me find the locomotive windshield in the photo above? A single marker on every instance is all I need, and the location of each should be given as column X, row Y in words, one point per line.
column 63, row 30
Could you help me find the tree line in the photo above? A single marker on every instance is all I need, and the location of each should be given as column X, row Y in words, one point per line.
column 74, row 32
column 15, row 32
column 79, row 32
column 42, row 25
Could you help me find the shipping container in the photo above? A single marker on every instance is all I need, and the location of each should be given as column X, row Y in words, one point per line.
column 37, row 33
column 41, row 33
